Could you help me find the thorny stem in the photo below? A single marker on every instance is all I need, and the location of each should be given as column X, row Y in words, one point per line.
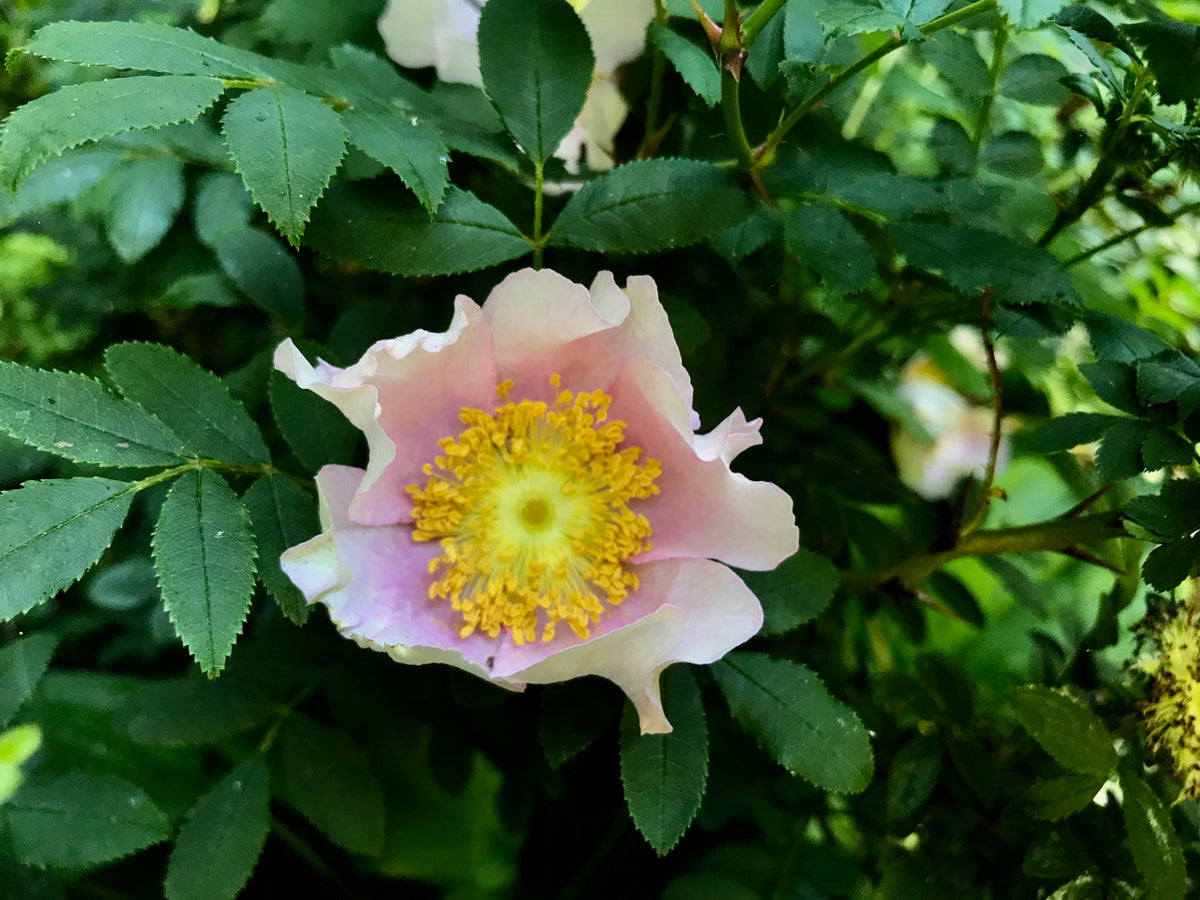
column 989, row 475
column 1093, row 189
column 1057, row 535
column 757, row 20
column 766, row 150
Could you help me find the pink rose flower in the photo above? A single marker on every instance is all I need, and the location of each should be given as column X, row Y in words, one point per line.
column 537, row 504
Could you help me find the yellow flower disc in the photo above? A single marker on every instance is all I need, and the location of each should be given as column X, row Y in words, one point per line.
column 530, row 505
column 1172, row 711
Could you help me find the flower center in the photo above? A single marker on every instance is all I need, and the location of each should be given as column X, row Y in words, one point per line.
column 530, row 506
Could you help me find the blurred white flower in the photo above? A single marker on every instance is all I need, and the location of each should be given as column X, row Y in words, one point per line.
column 442, row 34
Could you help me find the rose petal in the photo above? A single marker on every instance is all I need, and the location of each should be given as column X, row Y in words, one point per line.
column 412, row 387
column 441, row 33
column 702, row 509
column 706, row 611
column 374, row 579
column 617, row 29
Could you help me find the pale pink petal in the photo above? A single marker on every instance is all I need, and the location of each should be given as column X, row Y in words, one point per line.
column 729, row 438
column 405, row 395
column 617, row 29
column 705, row 611
column 702, row 509
column 441, row 33
column 374, row 581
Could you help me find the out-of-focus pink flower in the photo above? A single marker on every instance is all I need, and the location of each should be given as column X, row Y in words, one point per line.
column 537, row 504
column 441, row 33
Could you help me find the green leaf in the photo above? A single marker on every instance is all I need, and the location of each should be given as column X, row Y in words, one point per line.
column 536, row 61
column 317, row 431
column 794, row 592
column 146, row 197
column 1116, row 339
column 1172, row 51
column 651, row 205
column 286, row 146
column 1115, row 383
column 204, row 557
column 823, row 238
column 1093, row 24
column 284, row 515
column 1069, row 431
column 264, row 271
column 970, row 260
column 49, row 125
column 1062, row 796
column 1017, row 154
column 51, row 532
column 694, row 63
column 956, row 597
column 1175, row 381
column 912, row 777
column 80, row 820
column 222, row 204
column 22, row 663
column 140, row 45
column 752, row 233
column 1173, row 512
column 1172, row 562
column 220, row 840
column 182, row 712
column 326, row 777
column 75, row 416
column 665, row 774
column 467, row 234
column 847, row 17
column 200, row 289
column 397, row 140
column 1030, row 13
column 1153, row 841
column 792, row 714
column 957, row 59
column 1035, row 78
column 573, row 714
column 1066, row 729
column 191, row 401
column 1120, row 453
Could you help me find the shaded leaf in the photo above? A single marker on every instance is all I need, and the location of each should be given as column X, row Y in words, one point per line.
column 80, row 820
column 1153, row 841
column 1172, row 562
column 1035, row 78
column 912, row 777
column 146, row 197
column 1065, row 795
column 1066, row 729
column 573, row 714
column 1172, row 51
column 204, row 556
column 794, row 592
column 317, row 431
column 823, row 238
column 789, row 710
column 191, row 711
column 22, row 663
column 264, row 271
column 222, row 204
column 220, row 840
column 284, row 515
column 651, row 205
column 694, row 63
column 51, row 532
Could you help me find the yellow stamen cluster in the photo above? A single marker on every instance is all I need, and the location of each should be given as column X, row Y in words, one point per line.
column 530, row 505
column 1172, row 711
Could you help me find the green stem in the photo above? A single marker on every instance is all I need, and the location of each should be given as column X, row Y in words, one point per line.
column 658, row 72
column 538, row 172
column 731, row 106
column 1093, row 189
column 767, row 150
column 1000, row 37
column 1056, row 534
column 757, row 20
column 1131, row 233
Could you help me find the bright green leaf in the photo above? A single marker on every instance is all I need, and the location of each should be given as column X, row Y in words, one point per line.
column 665, row 774
column 284, row 515
column 1066, row 729
column 536, row 61
column 1153, row 841
column 326, row 776
column 22, row 663
column 51, row 532
column 465, row 235
column 220, row 840
column 80, row 820
column 789, row 710
column 191, row 401
column 204, row 556
column 75, row 416
column 695, row 64
column 651, row 205
column 286, row 146
column 49, row 125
